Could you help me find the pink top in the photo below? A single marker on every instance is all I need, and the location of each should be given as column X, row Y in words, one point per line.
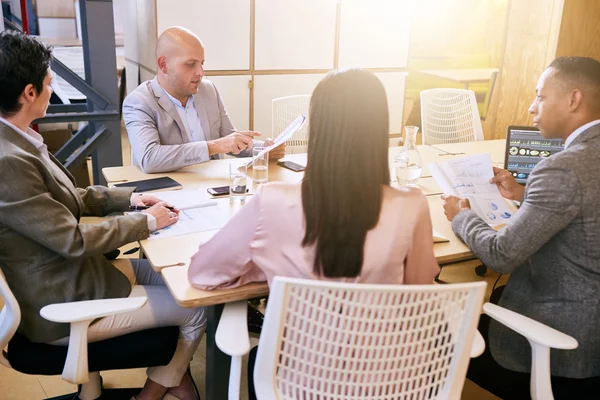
column 264, row 239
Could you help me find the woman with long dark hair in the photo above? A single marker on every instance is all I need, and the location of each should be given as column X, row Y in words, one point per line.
column 344, row 221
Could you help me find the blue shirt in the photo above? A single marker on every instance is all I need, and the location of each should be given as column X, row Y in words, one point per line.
column 189, row 117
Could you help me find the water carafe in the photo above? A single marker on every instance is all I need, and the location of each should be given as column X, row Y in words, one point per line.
column 407, row 164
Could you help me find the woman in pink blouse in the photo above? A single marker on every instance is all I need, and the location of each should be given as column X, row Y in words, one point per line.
column 343, row 222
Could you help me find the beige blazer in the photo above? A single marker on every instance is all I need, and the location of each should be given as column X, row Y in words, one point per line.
column 157, row 134
column 46, row 254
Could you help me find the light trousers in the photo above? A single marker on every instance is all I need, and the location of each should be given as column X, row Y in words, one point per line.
column 161, row 310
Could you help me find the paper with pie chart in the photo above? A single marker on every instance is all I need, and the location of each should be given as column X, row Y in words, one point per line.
column 469, row 177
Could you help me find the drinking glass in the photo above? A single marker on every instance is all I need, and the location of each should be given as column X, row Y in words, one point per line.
column 237, row 181
column 260, row 167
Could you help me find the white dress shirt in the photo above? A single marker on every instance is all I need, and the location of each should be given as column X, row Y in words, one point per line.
column 191, row 119
column 38, row 142
column 578, row 132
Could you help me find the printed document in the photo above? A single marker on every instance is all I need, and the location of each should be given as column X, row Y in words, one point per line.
column 194, row 220
column 469, row 177
column 285, row 135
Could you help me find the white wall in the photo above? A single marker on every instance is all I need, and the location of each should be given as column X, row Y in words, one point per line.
column 223, row 27
column 295, row 34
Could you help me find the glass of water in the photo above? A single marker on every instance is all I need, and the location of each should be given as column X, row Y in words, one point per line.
column 401, row 171
column 237, row 181
column 260, row 168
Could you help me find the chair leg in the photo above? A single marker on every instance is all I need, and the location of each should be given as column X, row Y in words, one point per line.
column 437, row 277
column 93, row 389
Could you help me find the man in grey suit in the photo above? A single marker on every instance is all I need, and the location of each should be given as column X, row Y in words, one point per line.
column 552, row 246
column 49, row 255
column 178, row 118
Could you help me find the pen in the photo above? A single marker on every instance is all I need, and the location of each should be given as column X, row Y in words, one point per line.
column 141, row 208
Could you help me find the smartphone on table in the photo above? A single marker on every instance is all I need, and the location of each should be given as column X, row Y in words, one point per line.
column 218, row 191
column 291, row 165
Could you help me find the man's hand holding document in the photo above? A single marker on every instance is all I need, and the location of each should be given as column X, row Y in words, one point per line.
column 468, row 177
column 284, row 136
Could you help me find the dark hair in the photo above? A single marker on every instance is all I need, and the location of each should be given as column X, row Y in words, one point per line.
column 582, row 73
column 24, row 60
column 347, row 166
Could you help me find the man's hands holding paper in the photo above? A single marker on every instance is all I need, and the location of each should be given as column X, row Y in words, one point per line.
column 234, row 143
column 453, row 205
column 508, row 186
column 277, row 153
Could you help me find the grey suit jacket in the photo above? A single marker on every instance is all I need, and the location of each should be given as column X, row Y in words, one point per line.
column 157, row 134
column 46, row 254
column 552, row 251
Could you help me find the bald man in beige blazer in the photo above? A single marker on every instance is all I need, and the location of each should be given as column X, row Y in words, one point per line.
column 178, row 118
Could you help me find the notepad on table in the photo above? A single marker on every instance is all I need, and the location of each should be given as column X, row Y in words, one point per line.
column 152, row 185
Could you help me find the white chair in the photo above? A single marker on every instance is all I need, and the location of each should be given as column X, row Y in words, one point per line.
column 285, row 111
column 409, row 341
column 449, row 116
column 340, row 340
column 542, row 338
column 122, row 352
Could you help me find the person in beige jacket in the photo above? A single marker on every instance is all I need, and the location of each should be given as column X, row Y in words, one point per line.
column 49, row 256
column 178, row 118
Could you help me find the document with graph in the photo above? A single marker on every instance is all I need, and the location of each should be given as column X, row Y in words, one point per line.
column 469, row 177
column 194, row 220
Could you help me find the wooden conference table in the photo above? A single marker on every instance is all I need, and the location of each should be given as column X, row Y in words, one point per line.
column 171, row 255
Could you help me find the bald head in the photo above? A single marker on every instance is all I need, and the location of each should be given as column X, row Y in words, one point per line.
column 175, row 39
column 180, row 61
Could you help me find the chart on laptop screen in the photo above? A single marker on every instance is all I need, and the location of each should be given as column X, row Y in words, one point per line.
column 525, row 147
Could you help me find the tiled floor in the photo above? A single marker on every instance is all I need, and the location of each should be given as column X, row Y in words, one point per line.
column 17, row 386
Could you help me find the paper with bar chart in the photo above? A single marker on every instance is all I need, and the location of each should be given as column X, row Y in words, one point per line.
column 469, row 177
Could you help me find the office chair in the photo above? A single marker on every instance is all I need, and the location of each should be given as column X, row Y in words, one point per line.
column 363, row 340
column 449, row 116
column 81, row 362
column 285, row 111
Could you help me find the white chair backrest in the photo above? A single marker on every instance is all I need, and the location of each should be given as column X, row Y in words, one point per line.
column 325, row 340
column 285, row 111
column 449, row 116
column 10, row 318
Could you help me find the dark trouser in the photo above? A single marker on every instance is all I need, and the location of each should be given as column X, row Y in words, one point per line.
column 506, row 384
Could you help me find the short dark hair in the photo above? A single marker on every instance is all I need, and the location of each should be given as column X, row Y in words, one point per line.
column 347, row 169
column 24, row 60
column 582, row 73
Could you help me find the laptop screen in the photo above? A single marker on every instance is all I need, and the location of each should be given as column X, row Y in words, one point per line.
column 525, row 147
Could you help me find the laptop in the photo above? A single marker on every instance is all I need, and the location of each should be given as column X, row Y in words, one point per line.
column 525, row 147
